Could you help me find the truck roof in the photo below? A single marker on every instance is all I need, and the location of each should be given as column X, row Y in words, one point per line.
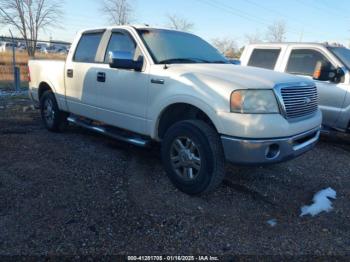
column 136, row 26
column 285, row 44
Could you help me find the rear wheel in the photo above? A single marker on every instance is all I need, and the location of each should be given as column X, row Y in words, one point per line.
column 193, row 157
column 53, row 118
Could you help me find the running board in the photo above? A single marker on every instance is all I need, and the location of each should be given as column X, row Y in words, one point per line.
column 111, row 132
column 330, row 131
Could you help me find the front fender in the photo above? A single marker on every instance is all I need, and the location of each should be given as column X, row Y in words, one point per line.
column 157, row 110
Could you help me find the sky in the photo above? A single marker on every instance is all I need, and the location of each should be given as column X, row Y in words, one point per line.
column 306, row 20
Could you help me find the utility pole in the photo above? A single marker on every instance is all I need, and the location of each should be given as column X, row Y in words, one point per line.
column 16, row 70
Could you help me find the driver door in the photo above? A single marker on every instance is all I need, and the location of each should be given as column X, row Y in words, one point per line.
column 331, row 95
column 121, row 95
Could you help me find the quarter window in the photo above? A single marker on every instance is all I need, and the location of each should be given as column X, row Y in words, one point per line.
column 87, row 48
column 264, row 58
column 304, row 61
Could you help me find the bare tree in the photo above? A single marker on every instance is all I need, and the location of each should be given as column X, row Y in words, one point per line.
column 29, row 17
column 179, row 23
column 226, row 46
column 277, row 32
column 254, row 38
column 118, row 12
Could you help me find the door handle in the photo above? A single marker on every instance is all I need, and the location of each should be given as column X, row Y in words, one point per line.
column 101, row 77
column 70, row 73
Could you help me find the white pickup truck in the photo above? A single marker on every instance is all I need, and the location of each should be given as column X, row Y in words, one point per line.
column 327, row 65
column 142, row 84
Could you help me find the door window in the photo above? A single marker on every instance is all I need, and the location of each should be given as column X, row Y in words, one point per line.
column 87, row 48
column 121, row 42
column 264, row 58
column 304, row 61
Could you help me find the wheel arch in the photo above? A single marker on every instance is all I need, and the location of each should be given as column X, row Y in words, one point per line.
column 43, row 87
column 180, row 111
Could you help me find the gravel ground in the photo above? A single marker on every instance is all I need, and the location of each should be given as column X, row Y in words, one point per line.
column 81, row 193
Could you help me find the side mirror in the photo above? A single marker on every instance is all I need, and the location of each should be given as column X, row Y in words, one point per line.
column 324, row 71
column 125, row 60
column 340, row 74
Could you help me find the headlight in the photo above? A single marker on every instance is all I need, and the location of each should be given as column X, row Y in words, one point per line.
column 254, row 102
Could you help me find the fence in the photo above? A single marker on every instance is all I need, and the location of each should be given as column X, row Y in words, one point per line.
column 6, row 64
column 21, row 57
column 6, row 68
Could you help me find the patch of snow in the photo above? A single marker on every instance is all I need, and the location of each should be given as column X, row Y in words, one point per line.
column 321, row 203
column 272, row 222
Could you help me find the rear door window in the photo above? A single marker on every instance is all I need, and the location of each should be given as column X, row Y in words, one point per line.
column 87, row 48
column 304, row 61
column 264, row 58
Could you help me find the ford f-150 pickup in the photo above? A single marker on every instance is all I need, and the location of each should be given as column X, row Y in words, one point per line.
column 142, row 84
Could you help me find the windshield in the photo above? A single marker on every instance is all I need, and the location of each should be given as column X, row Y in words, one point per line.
column 173, row 47
column 343, row 54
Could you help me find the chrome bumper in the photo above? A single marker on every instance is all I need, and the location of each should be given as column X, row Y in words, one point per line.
column 268, row 151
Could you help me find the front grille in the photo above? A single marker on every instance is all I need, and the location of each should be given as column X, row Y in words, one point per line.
column 300, row 101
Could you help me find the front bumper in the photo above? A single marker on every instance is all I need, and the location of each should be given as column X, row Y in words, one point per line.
column 268, row 151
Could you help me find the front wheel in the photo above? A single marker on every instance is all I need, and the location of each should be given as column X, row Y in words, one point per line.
column 53, row 118
column 193, row 157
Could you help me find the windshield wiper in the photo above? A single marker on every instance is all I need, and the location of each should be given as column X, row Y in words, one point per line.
column 218, row 62
column 178, row 61
column 190, row 60
column 210, row 62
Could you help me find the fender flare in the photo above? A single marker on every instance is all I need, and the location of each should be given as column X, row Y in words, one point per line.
column 211, row 113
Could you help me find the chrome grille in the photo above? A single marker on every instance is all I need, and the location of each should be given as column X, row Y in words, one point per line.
column 299, row 101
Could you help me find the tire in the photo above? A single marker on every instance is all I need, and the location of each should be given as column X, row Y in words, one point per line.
column 54, row 119
column 199, row 142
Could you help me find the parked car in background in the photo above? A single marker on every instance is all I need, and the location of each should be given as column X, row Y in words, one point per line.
column 142, row 84
column 235, row 61
column 7, row 46
column 327, row 65
column 62, row 50
column 53, row 49
column 42, row 48
column 21, row 47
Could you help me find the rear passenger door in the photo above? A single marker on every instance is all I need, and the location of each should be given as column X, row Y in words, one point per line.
column 80, row 75
column 303, row 62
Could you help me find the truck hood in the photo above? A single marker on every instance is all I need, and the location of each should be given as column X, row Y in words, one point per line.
column 237, row 77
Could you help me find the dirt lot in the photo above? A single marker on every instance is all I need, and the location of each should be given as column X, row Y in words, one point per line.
column 81, row 193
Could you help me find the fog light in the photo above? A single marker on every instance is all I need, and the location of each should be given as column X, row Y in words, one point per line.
column 273, row 151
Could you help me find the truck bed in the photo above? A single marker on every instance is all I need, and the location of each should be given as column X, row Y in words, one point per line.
column 50, row 72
